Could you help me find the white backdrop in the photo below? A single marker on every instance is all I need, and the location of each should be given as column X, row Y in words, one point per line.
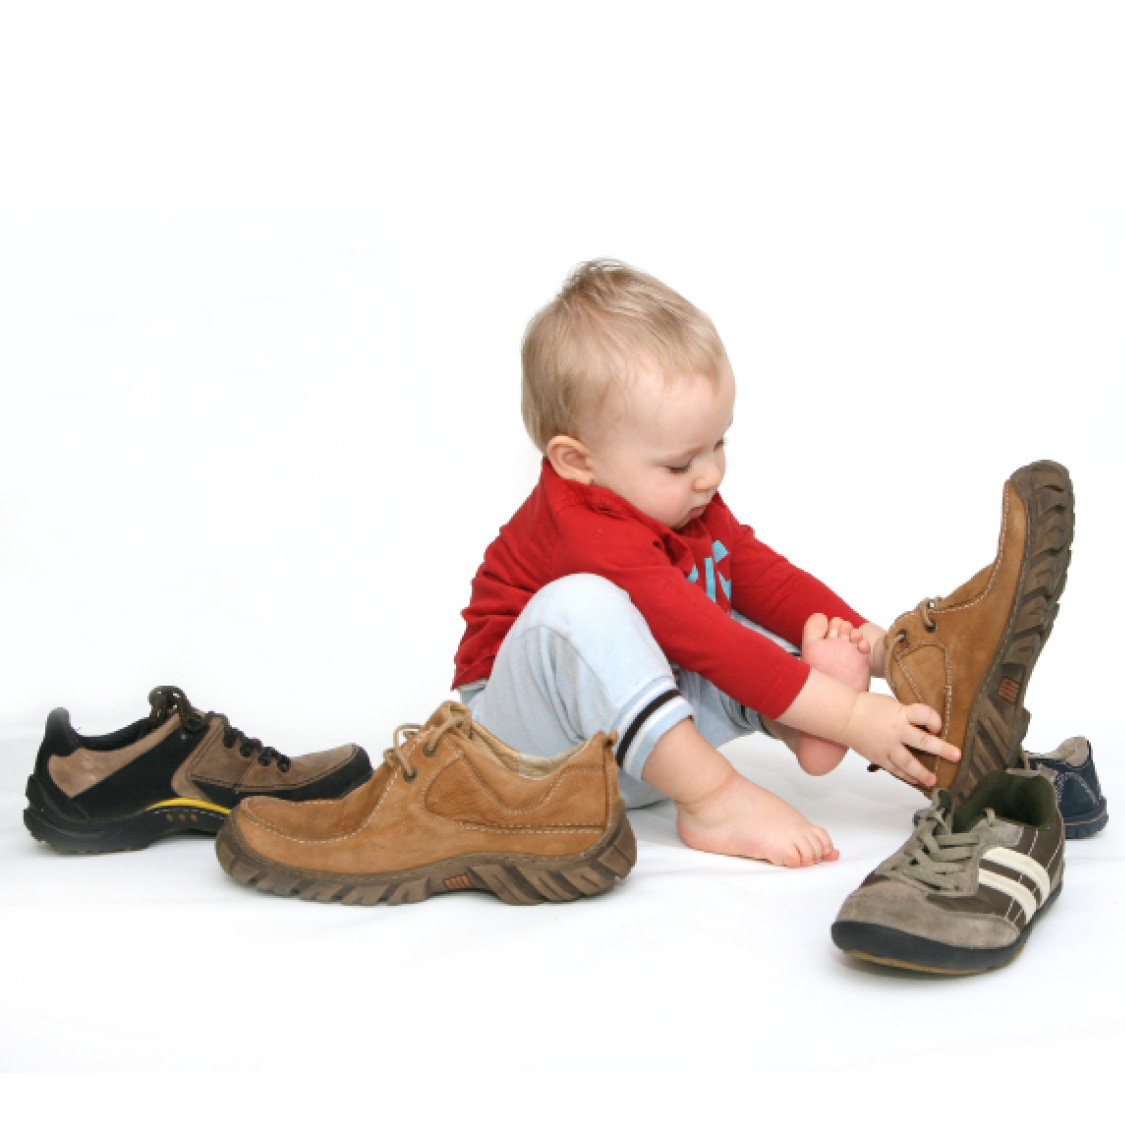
column 264, row 270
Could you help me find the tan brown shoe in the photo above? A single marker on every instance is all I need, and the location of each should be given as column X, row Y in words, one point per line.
column 451, row 808
column 970, row 655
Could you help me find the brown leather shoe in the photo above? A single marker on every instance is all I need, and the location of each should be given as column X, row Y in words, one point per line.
column 970, row 655
column 451, row 808
column 176, row 771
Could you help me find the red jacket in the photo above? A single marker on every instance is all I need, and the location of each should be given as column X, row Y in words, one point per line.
column 682, row 582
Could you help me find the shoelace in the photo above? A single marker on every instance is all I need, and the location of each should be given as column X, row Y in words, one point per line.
column 937, row 855
column 923, row 609
column 165, row 700
column 405, row 734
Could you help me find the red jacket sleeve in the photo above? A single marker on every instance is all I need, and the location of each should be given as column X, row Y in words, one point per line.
column 769, row 589
column 690, row 629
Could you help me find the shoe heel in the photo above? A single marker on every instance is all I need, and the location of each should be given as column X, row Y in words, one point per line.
column 1089, row 824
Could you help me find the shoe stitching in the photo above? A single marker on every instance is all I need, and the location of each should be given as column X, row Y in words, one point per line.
column 483, row 786
column 947, row 693
column 1034, row 889
column 561, row 829
column 405, row 750
column 996, row 565
column 1061, row 780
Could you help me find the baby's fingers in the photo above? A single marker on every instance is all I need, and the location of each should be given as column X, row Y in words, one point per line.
column 907, row 768
column 922, row 715
column 929, row 744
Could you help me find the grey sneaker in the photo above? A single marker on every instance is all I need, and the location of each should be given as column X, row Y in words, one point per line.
column 1070, row 769
column 960, row 896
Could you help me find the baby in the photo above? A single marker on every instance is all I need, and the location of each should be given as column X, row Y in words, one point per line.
column 623, row 594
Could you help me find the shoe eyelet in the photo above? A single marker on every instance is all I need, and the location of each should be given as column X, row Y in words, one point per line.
column 430, row 751
column 243, row 752
column 410, row 775
column 931, row 627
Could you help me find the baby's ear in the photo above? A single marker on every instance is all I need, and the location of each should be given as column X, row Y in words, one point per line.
column 570, row 458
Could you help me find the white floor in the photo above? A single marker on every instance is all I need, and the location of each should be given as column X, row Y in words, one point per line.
column 264, row 270
column 694, row 963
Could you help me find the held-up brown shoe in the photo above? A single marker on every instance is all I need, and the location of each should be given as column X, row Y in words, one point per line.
column 451, row 808
column 970, row 655
column 176, row 771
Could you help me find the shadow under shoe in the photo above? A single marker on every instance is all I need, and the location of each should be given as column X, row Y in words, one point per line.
column 970, row 655
column 177, row 771
column 451, row 808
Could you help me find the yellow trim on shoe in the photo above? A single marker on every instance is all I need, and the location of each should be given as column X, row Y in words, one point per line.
column 187, row 802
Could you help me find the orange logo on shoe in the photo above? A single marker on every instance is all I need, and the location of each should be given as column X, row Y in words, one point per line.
column 1009, row 690
column 458, row 883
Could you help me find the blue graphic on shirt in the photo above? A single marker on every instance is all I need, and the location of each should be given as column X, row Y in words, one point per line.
column 718, row 553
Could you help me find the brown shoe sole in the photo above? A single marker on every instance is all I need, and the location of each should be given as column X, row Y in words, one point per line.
column 998, row 720
column 521, row 880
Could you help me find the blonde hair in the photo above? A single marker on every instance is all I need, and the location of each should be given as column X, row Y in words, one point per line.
column 607, row 321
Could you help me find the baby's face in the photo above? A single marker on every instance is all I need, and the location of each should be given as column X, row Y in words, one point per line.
column 664, row 452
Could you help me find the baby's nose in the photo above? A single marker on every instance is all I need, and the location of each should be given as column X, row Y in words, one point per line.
column 709, row 475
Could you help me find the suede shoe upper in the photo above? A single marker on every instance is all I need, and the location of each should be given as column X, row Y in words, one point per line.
column 970, row 655
column 961, row 892
column 448, row 788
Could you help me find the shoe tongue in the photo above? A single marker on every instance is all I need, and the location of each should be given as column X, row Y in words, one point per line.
column 965, row 820
column 458, row 712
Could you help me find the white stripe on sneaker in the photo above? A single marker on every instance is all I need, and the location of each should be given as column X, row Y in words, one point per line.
column 1012, row 889
column 1025, row 865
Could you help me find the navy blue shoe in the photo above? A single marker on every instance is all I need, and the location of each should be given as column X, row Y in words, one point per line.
column 1070, row 769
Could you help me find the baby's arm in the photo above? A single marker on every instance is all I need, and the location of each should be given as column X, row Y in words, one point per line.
column 877, row 727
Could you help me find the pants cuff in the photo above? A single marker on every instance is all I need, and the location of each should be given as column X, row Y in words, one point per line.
column 650, row 714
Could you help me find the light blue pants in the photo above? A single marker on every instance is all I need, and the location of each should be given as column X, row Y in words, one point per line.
column 581, row 659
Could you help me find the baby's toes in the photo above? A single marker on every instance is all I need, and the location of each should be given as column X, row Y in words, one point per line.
column 816, row 629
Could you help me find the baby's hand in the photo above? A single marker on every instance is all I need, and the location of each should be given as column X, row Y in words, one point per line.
column 884, row 731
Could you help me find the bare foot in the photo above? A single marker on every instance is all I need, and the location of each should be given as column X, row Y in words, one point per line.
column 743, row 819
column 838, row 650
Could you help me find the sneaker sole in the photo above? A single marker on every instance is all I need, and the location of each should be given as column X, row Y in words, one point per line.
column 1090, row 824
column 998, row 720
column 520, row 880
column 883, row 945
column 71, row 836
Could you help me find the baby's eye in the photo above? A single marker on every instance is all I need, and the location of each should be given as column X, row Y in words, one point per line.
column 678, row 468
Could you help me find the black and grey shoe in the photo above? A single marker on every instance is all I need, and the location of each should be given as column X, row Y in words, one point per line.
column 177, row 771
